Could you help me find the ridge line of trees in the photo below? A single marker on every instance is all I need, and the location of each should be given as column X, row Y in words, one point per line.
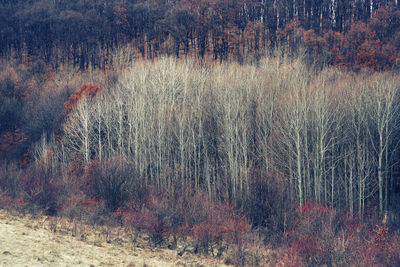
column 84, row 33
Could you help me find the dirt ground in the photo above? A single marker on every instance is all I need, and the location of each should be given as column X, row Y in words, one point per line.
column 47, row 241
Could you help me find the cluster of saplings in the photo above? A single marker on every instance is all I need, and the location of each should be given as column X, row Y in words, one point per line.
column 330, row 137
column 216, row 152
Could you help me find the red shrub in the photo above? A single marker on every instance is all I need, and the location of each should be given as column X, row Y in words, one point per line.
column 87, row 90
column 217, row 223
column 80, row 206
column 291, row 259
column 143, row 221
column 205, row 234
column 309, row 247
column 137, row 220
column 210, row 224
column 159, row 217
column 312, row 233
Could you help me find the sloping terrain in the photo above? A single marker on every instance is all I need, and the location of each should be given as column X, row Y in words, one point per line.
column 46, row 241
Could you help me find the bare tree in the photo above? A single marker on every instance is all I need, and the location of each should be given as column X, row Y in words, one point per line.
column 291, row 125
column 381, row 92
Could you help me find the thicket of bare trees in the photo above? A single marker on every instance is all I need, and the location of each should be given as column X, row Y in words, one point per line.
column 331, row 137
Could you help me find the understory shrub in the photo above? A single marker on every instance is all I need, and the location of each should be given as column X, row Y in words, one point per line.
column 212, row 226
column 43, row 184
column 10, row 180
column 312, row 233
column 319, row 236
column 115, row 181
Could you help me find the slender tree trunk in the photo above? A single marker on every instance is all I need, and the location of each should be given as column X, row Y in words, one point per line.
column 299, row 176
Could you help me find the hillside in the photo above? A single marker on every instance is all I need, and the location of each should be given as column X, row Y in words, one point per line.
column 238, row 159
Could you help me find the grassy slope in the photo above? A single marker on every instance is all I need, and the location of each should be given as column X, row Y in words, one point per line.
column 45, row 241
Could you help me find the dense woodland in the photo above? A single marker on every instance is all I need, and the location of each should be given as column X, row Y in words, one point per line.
column 85, row 32
column 241, row 125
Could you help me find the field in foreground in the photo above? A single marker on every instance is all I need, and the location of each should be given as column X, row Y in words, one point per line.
column 46, row 241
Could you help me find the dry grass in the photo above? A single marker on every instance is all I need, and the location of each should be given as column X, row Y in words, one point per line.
column 49, row 241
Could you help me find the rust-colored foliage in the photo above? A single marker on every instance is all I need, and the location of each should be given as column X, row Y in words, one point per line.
column 293, row 26
column 293, row 32
column 314, row 42
column 223, row 223
column 311, row 234
column 385, row 22
column 376, row 55
column 334, row 48
column 79, row 204
column 87, row 90
column 370, row 45
column 76, row 168
column 291, row 259
column 380, row 236
column 84, row 173
column 27, row 160
column 358, row 34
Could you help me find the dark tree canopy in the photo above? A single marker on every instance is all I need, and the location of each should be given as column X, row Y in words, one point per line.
column 85, row 32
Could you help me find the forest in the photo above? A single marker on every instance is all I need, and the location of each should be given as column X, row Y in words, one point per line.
column 84, row 33
column 235, row 127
